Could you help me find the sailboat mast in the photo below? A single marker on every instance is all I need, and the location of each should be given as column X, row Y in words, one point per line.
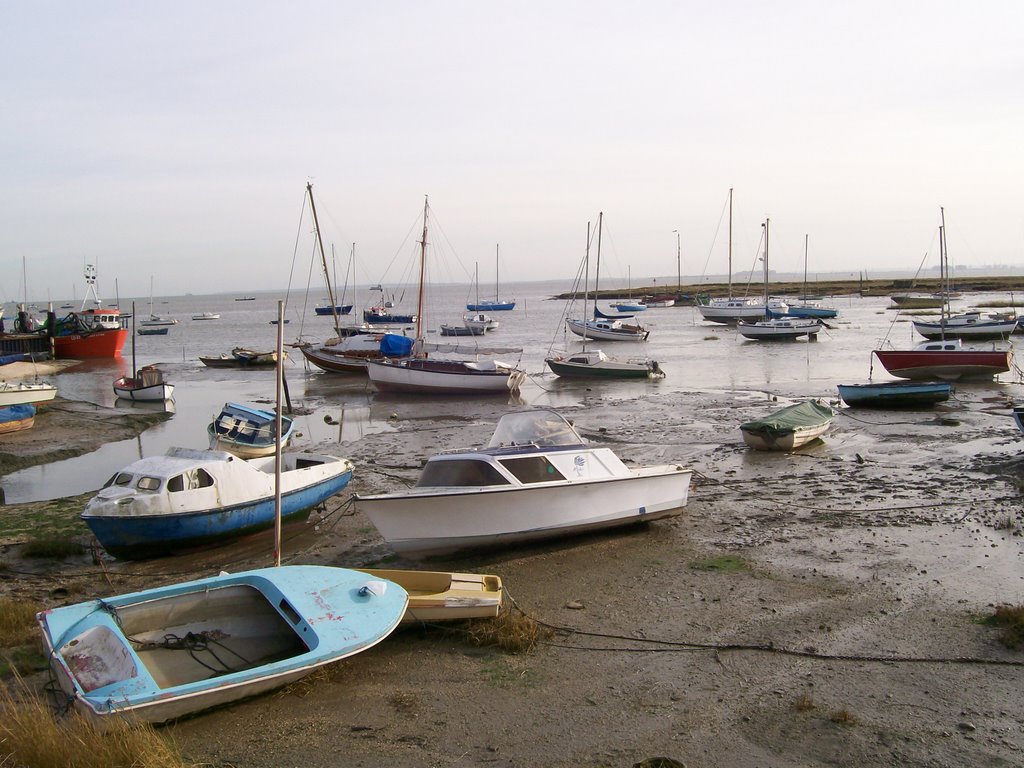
column 423, row 267
column 805, row 267
column 766, row 268
column 496, row 292
column 943, row 269
column 323, row 257
column 597, row 271
column 586, row 287
column 730, row 242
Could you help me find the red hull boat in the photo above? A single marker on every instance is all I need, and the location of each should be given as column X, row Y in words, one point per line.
column 945, row 360
column 90, row 333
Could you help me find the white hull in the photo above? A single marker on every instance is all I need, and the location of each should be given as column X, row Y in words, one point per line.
column 785, row 442
column 395, row 377
column 153, row 393
column 779, row 330
column 24, row 394
column 441, row 520
column 605, row 330
column 731, row 311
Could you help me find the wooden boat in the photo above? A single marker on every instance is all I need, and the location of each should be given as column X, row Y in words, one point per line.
column 15, row 418
column 247, row 432
column 594, row 363
column 788, row 428
column 443, row 596
column 23, row 393
column 147, row 384
column 536, row 479
column 207, row 316
column 895, row 394
column 495, row 304
column 418, row 374
column 175, row 650
column 188, row 498
column 968, row 326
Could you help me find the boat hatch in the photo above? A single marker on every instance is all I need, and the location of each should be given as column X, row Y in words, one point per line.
column 532, row 469
column 455, row 473
column 193, row 478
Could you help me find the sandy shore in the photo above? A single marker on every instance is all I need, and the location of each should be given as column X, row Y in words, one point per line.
column 804, row 610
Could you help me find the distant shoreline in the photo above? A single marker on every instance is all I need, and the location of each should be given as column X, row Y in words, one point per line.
column 985, row 284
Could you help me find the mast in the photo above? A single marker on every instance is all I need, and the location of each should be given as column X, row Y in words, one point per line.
column 804, row 297
column 323, row 259
column 134, row 370
column 586, row 285
column 597, row 271
column 730, row 242
column 497, row 294
column 765, row 225
column 679, row 269
column 943, row 271
column 423, row 266
column 476, row 279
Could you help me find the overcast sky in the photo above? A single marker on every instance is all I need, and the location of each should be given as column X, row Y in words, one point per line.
column 175, row 139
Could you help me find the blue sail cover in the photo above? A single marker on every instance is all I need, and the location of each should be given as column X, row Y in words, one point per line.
column 393, row 345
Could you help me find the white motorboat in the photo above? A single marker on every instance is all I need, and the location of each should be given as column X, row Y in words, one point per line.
column 780, row 328
column 536, row 479
column 22, row 393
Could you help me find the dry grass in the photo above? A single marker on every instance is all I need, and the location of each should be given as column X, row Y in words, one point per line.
column 804, row 703
column 509, row 630
column 17, row 623
column 843, row 717
column 52, row 548
column 1010, row 619
column 31, row 735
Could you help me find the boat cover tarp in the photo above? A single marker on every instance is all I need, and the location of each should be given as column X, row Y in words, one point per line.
column 806, row 414
column 393, row 345
column 17, row 412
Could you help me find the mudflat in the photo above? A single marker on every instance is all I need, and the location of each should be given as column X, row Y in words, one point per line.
column 804, row 609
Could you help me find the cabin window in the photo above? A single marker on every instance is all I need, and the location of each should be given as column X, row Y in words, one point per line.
column 445, row 474
column 532, row 469
column 190, row 480
column 148, row 483
column 121, row 478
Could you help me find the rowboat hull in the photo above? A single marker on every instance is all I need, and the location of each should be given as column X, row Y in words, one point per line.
column 15, row 418
column 443, row 596
column 950, row 365
column 895, row 394
column 784, row 441
column 148, row 655
column 789, row 428
column 583, row 367
column 124, row 388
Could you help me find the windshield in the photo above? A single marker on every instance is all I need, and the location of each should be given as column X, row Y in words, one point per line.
column 542, row 427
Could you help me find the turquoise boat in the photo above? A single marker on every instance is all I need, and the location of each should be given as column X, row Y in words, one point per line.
column 895, row 394
column 171, row 651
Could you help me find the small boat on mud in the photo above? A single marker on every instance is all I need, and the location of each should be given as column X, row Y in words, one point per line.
column 247, row 432
column 22, row 393
column 171, row 651
column 189, row 498
column 536, row 479
column 444, row 596
column 895, row 394
column 147, row 384
column 788, row 428
column 15, row 418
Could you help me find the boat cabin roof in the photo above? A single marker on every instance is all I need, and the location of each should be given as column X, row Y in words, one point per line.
column 944, row 345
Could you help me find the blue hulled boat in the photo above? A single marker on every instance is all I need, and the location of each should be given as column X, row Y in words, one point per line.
column 895, row 394
column 247, row 432
column 171, row 651
column 188, row 498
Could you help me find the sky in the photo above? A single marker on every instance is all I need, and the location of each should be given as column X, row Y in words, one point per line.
column 173, row 141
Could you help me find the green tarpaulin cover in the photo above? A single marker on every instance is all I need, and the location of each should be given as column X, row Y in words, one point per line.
column 805, row 414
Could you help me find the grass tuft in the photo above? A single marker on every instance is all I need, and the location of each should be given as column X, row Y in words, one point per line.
column 1010, row 619
column 17, row 623
column 52, row 548
column 33, row 736
column 510, row 630
column 804, row 703
column 843, row 717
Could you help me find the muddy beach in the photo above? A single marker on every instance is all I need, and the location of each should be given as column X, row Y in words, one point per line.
column 818, row 608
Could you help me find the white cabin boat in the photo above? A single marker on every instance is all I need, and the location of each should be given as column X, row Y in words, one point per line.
column 536, row 479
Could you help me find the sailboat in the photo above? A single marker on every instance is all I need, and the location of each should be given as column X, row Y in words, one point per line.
column 945, row 358
column 330, row 309
column 602, row 326
column 351, row 347
column 479, row 322
column 808, row 308
column 154, row 320
column 629, row 305
column 146, row 383
column 595, row 364
column 776, row 328
column 422, row 375
column 497, row 305
column 731, row 309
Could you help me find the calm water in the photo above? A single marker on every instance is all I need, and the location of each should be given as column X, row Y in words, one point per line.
column 336, row 410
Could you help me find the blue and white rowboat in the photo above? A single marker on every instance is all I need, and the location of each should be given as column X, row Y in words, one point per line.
column 171, row 651
column 189, row 498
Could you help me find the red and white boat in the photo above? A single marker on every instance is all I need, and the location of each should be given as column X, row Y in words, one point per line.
column 946, row 360
column 95, row 332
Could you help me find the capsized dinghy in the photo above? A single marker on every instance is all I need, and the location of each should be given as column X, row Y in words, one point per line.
column 171, row 651
column 188, row 498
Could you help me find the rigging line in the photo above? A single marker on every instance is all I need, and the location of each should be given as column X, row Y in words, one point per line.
column 295, row 248
column 714, row 239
